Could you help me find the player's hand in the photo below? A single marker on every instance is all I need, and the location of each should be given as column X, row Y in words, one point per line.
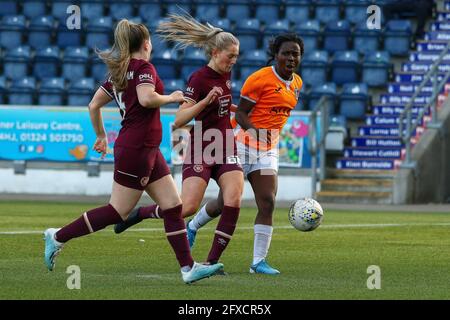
column 233, row 107
column 101, row 145
column 177, row 96
column 213, row 94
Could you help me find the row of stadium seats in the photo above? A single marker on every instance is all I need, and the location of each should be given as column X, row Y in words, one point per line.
column 207, row 10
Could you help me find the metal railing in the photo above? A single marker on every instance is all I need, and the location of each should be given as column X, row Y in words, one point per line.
column 316, row 144
column 406, row 135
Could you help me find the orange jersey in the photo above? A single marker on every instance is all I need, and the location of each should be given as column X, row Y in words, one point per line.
column 274, row 99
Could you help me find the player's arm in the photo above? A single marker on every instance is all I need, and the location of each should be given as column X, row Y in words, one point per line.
column 149, row 98
column 189, row 110
column 98, row 101
column 242, row 118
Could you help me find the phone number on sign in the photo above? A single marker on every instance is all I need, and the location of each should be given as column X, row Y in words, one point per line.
column 52, row 137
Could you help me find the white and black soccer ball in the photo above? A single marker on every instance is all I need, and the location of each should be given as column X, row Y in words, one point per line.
column 305, row 214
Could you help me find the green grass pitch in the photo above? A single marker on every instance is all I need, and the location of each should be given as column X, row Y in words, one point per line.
column 411, row 249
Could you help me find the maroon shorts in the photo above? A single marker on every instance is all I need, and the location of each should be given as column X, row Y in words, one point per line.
column 206, row 171
column 136, row 168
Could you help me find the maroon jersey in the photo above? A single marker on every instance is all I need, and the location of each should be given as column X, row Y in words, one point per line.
column 217, row 114
column 141, row 127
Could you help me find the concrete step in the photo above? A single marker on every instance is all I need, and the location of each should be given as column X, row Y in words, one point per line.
column 354, row 197
column 333, row 173
column 357, row 185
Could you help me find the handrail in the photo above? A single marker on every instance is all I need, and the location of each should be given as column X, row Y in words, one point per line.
column 314, row 146
column 405, row 135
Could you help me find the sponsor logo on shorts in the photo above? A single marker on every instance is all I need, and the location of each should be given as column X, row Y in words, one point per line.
column 198, row 168
column 144, row 181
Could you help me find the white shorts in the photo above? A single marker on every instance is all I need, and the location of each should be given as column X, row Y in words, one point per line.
column 252, row 159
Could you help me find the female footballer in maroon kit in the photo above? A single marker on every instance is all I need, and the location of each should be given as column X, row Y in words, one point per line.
column 138, row 162
column 208, row 96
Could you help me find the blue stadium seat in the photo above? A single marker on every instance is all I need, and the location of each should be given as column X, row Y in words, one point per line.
column 224, row 24
column 74, row 62
column 8, row 7
column 16, row 62
column 22, row 91
column 336, row 36
column 327, row 10
column 171, row 85
column 376, row 68
column 92, row 8
column 274, row 29
column 51, row 92
column 366, row 40
column 236, row 86
column 356, row 10
column 267, row 10
column 208, row 10
column 40, row 31
column 248, row 32
column 326, row 89
column 66, row 37
column 150, row 10
column 99, row 70
column 237, row 10
column 166, row 63
column 193, row 59
column 59, row 8
column 12, row 29
column 121, row 9
column 314, row 67
column 303, row 100
column 297, row 11
column 3, row 89
column 158, row 44
column 354, row 100
column 252, row 61
column 397, row 36
column 33, row 8
column 178, row 6
column 80, row 92
column 345, row 67
column 46, row 62
column 99, row 31
column 310, row 33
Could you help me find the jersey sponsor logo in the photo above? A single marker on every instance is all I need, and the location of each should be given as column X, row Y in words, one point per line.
column 224, row 105
column 198, row 168
column 145, row 76
column 144, row 181
column 130, row 75
column 275, row 111
column 190, row 90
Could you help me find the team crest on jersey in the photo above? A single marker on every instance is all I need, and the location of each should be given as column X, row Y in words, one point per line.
column 144, row 181
column 229, row 84
column 198, row 168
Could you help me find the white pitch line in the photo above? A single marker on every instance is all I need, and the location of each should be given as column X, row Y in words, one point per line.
column 326, row 226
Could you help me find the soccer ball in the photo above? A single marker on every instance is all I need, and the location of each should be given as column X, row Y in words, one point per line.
column 305, row 214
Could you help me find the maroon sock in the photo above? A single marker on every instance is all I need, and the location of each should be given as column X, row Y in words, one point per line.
column 224, row 232
column 176, row 234
column 89, row 222
column 151, row 212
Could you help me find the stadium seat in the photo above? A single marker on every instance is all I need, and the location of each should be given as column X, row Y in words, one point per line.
column 314, row 68
column 345, row 67
column 66, row 37
column 59, row 8
column 326, row 89
column 248, row 32
column 353, row 100
column 74, row 62
column 274, row 29
column 303, row 100
column 376, row 68
column 268, row 11
column 51, row 92
column 327, row 10
column 166, row 62
column 297, row 11
column 193, row 59
column 224, row 24
column 80, row 92
column 121, row 9
column 366, row 40
column 33, row 8
column 237, row 10
column 46, row 62
column 12, row 29
column 22, row 91
column 356, row 10
column 397, row 36
column 336, row 36
column 150, row 10
column 158, row 44
column 40, row 31
column 8, row 7
column 3, row 89
column 208, row 10
column 178, row 6
column 310, row 33
column 236, row 86
column 99, row 71
column 171, row 85
column 251, row 61
column 16, row 62
column 337, row 133
column 99, row 32
column 92, row 8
